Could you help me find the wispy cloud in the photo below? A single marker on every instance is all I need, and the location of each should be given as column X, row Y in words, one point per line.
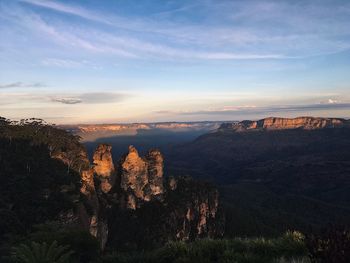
column 62, row 63
column 91, row 98
column 234, row 110
column 67, row 100
column 41, row 100
column 125, row 46
column 22, row 85
column 69, row 9
column 188, row 47
column 147, row 37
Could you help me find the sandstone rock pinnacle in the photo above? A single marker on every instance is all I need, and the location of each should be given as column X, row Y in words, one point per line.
column 141, row 178
column 155, row 171
column 104, row 167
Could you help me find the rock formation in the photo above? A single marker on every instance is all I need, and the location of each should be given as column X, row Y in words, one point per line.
column 95, row 180
column 87, row 183
column 136, row 192
column 272, row 123
column 141, row 178
column 125, row 205
column 104, row 167
column 155, row 172
column 133, row 177
column 199, row 210
column 91, row 204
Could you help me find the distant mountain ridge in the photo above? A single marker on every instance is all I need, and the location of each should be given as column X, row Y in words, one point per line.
column 275, row 123
column 91, row 132
column 273, row 171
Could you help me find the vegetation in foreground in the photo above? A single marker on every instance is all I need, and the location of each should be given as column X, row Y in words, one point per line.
column 39, row 188
column 286, row 249
column 289, row 248
column 330, row 246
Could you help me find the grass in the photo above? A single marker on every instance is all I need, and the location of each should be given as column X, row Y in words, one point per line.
column 289, row 248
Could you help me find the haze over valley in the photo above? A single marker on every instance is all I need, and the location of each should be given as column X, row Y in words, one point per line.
column 163, row 131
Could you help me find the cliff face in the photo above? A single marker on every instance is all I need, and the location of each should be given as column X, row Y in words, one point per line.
column 93, row 132
column 197, row 209
column 272, row 123
column 188, row 210
column 134, row 178
column 135, row 195
column 155, row 172
column 104, row 167
column 141, row 178
column 87, row 183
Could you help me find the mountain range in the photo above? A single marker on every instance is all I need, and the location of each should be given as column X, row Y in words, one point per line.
column 275, row 173
column 249, row 178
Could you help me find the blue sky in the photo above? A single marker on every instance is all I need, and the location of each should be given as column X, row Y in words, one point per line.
column 142, row 61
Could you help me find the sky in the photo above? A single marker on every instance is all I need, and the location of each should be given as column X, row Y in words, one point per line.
column 99, row 61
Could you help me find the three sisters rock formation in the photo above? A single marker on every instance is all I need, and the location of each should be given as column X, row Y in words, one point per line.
column 132, row 202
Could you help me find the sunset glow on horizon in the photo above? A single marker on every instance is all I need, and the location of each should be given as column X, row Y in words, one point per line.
column 149, row 61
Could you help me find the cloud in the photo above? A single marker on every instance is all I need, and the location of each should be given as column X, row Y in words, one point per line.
column 126, row 46
column 22, row 85
column 62, row 63
column 77, row 11
column 102, row 97
column 330, row 101
column 11, row 85
column 67, row 100
column 91, row 98
column 231, row 110
column 243, row 36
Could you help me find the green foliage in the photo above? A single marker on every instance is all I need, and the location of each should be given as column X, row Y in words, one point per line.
column 84, row 245
column 41, row 253
column 39, row 174
column 288, row 248
column 332, row 245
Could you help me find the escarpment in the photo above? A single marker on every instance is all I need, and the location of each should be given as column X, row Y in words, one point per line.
column 134, row 195
column 127, row 202
column 272, row 123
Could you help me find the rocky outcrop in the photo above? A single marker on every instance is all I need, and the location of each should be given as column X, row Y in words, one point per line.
column 87, row 183
column 98, row 179
column 136, row 196
column 49, row 160
column 133, row 177
column 141, row 178
column 197, row 210
column 272, row 123
column 104, row 167
column 90, row 211
column 188, row 210
column 155, row 161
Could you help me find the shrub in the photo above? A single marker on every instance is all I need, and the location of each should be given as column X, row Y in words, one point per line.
column 330, row 246
column 41, row 253
column 287, row 249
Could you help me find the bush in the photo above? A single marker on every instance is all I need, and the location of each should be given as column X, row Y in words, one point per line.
column 41, row 253
column 330, row 246
column 84, row 245
column 239, row 250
